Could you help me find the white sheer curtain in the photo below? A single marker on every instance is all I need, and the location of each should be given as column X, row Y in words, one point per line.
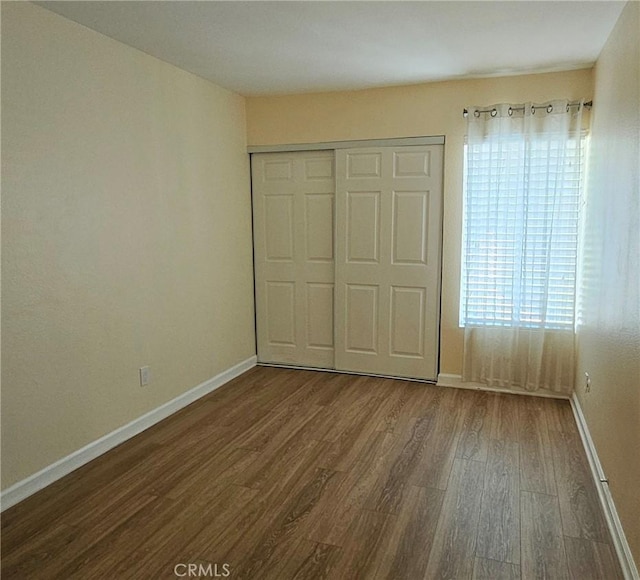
column 522, row 198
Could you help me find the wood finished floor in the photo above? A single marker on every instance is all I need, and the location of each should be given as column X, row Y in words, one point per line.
column 299, row 474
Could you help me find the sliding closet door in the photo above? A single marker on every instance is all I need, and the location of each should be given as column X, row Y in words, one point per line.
column 293, row 203
column 388, row 226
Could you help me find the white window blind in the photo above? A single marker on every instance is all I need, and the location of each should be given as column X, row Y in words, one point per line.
column 520, row 232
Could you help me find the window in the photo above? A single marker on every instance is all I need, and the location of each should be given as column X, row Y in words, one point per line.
column 520, row 231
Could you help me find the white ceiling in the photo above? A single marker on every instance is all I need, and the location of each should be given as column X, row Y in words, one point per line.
column 259, row 48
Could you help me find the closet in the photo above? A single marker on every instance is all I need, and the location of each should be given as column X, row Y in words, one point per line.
column 347, row 258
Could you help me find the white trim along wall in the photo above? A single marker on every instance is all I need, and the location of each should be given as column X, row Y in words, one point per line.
column 618, row 537
column 23, row 489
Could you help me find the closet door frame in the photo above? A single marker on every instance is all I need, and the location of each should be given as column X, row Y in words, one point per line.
column 334, row 146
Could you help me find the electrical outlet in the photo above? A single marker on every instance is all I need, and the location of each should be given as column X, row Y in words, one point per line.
column 145, row 376
column 587, row 382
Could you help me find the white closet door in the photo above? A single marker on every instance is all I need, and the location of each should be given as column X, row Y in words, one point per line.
column 293, row 203
column 388, row 236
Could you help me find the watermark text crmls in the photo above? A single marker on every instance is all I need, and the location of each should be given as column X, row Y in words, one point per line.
column 192, row 570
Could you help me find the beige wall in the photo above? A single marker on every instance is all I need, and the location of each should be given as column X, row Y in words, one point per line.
column 126, row 235
column 428, row 109
column 609, row 334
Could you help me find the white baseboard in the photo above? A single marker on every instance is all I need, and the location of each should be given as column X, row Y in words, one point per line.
column 618, row 537
column 455, row 381
column 23, row 489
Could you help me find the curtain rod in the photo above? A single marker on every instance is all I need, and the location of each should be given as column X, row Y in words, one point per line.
column 534, row 108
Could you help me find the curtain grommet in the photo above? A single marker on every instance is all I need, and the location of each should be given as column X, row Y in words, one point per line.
column 494, row 112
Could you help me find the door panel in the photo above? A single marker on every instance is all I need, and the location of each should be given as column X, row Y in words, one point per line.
column 361, row 318
column 319, row 227
column 412, row 163
column 281, row 313
column 407, row 327
column 363, row 164
column 363, row 226
column 277, row 170
column 293, row 204
column 409, row 237
column 278, row 227
column 388, row 236
column 320, row 316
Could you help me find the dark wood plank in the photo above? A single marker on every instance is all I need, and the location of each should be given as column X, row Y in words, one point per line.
column 412, row 534
column 473, row 442
column 499, row 528
column 268, row 390
column 437, row 454
column 357, row 389
column 273, row 424
column 214, row 539
column 83, row 488
column 243, row 476
column 590, row 560
column 348, row 414
column 106, row 514
column 307, row 560
column 37, row 559
column 323, row 424
column 330, row 388
column 493, row 570
column 103, row 559
column 388, row 492
column 362, row 554
column 335, row 514
column 276, row 470
column 172, row 535
column 159, row 475
column 559, row 415
column 281, row 531
column 403, row 402
column 505, row 425
column 361, row 434
column 314, row 388
column 355, row 427
column 424, row 397
column 452, row 554
column 222, row 469
column 536, row 461
column 542, row 554
column 239, row 403
column 172, row 429
column 579, row 503
column 270, row 507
